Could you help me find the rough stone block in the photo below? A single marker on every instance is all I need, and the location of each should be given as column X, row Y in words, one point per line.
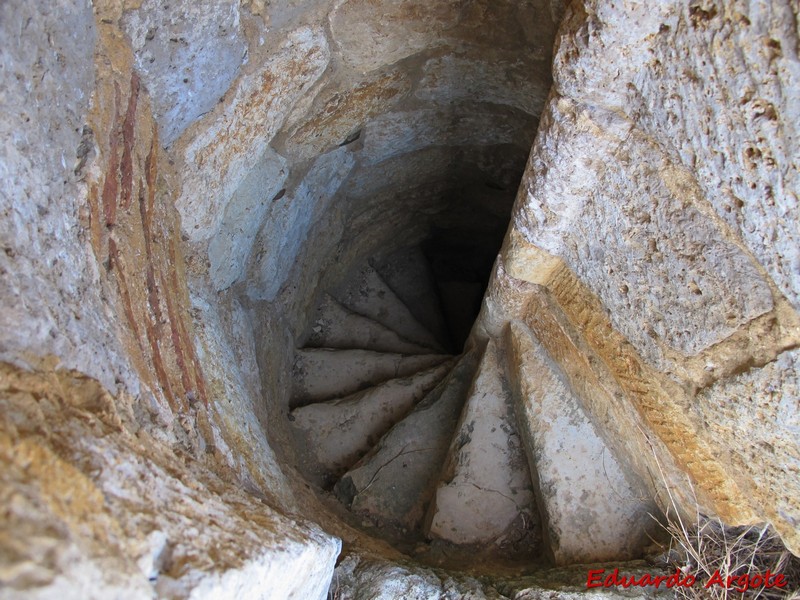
column 294, row 215
column 222, row 148
column 755, row 418
column 591, row 510
column 229, row 249
column 486, row 495
column 663, row 267
column 371, row 35
column 185, row 71
column 393, row 134
column 507, row 80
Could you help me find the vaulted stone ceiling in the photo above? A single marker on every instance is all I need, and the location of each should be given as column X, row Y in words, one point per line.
column 355, row 120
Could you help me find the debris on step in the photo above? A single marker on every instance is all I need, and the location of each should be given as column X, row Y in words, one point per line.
column 322, row 374
column 331, row 436
column 485, row 496
column 592, row 510
column 369, row 295
column 393, row 484
column 334, row 326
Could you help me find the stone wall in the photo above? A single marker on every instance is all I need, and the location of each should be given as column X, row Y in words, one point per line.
column 181, row 180
column 657, row 225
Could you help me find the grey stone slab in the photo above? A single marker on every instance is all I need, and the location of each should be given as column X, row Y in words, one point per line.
column 323, row 373
column 486, row 495
column 332, row 436
column 337, row 327
column 591, row 509
column 392, row 486
column 185, row 72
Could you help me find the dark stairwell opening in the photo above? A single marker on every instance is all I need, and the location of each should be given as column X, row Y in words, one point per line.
column 374, row 258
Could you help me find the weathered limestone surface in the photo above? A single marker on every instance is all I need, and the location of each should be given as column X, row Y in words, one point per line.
column 95, row 507
column 334, row 326
column 293, row 215
column 253, row 200
column 709, row 83
column 506, row 80
column 486, row 495
column 755, row 419
column 219, row 151
column 392, row 485
column 49, row 284
column 591, row 509
column 333, row 435
column 187, row 59
column 321, row 374
column 372, row 35
column 659, row 255
column 397, row 133
column 366, row 293
column 341, row 112
column 408, row 274
column 659, row 214
column 116, row 495
column 181, row 180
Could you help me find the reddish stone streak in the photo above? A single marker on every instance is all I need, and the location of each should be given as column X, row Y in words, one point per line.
column 183, row 336
column 152, row 289
column 151, row 172
column 154, row 316
column 177, row 342
column 113, row 260
column 94, row 220
column 158, row 364
column 111, row 186
column 128, row 142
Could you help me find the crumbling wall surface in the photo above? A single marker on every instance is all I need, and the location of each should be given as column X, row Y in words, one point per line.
column 94, row 507
column 659, row 214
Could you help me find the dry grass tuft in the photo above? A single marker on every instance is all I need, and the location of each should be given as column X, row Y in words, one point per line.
column 709, row 546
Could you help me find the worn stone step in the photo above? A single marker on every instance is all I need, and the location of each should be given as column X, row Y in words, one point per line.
column 408, row 274
column 333, row 435
column 485, row 495
column 592, row 509
column 367, row 294
column 392, row 486
column 320, row 374
column 334, row 326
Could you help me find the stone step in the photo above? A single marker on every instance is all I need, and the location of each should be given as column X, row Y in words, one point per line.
column 392, row 486
column 320, row 374
column 485, row 495
column 367, row 294
column 408, row 274
column 334, row 326
column 333, row 435
column 593, row 510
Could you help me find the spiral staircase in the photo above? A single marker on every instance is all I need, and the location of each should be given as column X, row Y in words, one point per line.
column 421, row 446
column 417, row 443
